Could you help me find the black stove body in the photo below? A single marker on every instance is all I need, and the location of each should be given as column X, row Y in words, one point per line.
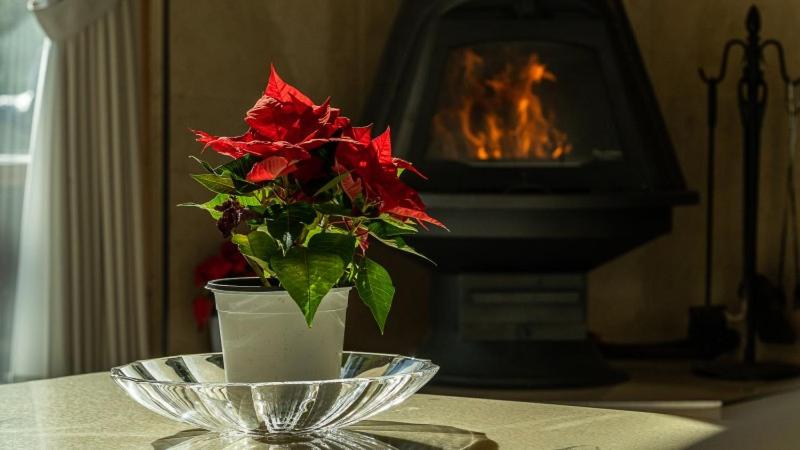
column 547, row 156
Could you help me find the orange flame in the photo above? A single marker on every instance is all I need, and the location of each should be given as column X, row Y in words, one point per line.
column 499, row 116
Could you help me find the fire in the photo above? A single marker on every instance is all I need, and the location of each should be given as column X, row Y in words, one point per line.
column 496, row 114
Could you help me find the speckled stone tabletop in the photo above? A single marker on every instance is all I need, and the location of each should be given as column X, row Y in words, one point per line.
column 90, row 412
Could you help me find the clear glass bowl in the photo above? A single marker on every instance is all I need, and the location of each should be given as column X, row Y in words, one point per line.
column 192, row 389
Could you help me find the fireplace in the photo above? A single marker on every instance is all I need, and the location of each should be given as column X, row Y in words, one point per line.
column 493, row 107
column 547, row 157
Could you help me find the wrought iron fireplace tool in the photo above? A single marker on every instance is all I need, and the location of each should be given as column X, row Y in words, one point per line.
column 752, row 98
column 789, row 226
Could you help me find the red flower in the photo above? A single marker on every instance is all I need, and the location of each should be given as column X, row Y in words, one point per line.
column 310, row 169
column 228, row 263
column 284, row 125
column 202, row 308
column 211, row 268
column 270, row 168
column 375, row 173
column 286, row 131
column 231, row 253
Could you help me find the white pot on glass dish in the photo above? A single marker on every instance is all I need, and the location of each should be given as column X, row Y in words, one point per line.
column 265, row 336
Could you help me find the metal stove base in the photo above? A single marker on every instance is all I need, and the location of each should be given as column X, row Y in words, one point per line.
column 515, row 330
column 520, row 365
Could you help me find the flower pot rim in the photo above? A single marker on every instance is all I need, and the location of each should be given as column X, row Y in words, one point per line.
column 251, row 284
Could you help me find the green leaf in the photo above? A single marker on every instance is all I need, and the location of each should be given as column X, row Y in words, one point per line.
column 216, row 183
column 331, row 184
column 334, row 209
column 257, row 244
column 211, row 205
column 204, row 164
column 257, row 248
column 343, row 245
column 229, row 178
column 307, row 274
column 237, row 168
column 389, row 231
column 311, row 231
column 400, row 244
column 286, row 224
column 244, row 187
column 259, row 266
column 387, row 226
column 376, row 290
column 248, row 200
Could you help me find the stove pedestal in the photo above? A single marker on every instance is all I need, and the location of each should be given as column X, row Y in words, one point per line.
column 514, row 330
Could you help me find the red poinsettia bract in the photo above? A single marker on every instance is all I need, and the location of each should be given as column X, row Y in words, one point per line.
column 286, row 134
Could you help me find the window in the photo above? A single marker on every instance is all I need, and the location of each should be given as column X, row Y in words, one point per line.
column 21, row 42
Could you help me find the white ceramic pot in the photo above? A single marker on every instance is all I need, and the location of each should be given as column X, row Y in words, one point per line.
column 265, row 336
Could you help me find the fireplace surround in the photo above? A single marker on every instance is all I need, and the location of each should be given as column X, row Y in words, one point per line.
column 547, row 156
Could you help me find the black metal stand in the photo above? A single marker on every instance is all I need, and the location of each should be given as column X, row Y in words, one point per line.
column 752, row 98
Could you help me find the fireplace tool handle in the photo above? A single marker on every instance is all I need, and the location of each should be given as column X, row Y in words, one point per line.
column 752, row 98
column 710, row 169
column 712, row 83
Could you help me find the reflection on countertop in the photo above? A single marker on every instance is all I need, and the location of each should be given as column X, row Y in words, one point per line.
column 370, row 434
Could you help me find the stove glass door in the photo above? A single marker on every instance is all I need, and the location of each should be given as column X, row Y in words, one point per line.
column 522, row 103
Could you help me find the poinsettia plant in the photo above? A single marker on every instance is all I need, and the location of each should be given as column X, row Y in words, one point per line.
column 304, row 195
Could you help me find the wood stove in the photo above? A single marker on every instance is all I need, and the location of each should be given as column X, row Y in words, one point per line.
column 547, row 156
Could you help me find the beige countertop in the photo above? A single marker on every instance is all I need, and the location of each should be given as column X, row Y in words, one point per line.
column 89, row 411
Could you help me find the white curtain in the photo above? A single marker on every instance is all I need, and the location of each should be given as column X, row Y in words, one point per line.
column 81, row 300
column 21, row 41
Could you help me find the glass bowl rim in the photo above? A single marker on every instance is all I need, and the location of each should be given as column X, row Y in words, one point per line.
column 428, row 368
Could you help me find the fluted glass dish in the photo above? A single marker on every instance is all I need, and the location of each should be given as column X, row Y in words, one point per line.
column 192, row 389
